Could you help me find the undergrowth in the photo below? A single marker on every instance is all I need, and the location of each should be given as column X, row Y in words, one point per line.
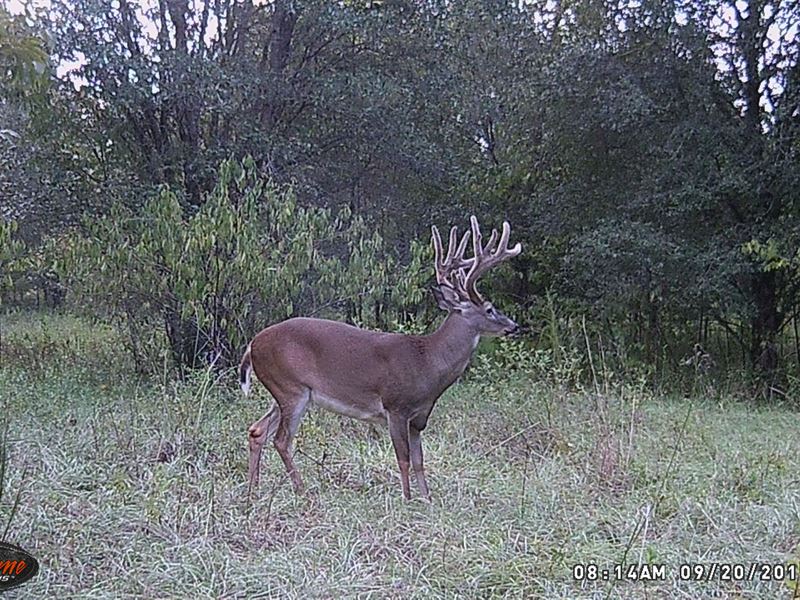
column 125, row 486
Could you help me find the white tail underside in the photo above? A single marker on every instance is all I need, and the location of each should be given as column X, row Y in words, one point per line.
column 248, row 375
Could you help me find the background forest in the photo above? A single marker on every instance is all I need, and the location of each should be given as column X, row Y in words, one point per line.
column 193, row 170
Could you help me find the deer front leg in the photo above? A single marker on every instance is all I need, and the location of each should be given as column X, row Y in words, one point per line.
column 415, row 449
column 398, row 430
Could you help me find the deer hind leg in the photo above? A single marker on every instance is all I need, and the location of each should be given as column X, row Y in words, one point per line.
column 291, row 416
column 258, row 433
column 398, row 430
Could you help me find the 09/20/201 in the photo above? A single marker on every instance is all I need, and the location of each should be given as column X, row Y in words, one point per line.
column 688, row 572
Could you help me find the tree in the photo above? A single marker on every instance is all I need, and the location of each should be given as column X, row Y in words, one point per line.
column 23, row 57
column 663, row 167
column 758, row 60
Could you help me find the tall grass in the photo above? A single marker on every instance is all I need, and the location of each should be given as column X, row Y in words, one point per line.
column 137, row 487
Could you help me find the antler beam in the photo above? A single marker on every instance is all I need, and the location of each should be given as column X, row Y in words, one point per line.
column 450, row 269
column 487, row 256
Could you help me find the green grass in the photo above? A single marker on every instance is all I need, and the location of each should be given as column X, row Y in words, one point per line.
column 137, row 488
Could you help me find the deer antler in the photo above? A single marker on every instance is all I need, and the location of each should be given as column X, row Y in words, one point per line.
column 487, row 256
column 450, row 269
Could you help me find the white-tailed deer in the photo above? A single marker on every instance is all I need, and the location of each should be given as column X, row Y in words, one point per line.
column 381, row 377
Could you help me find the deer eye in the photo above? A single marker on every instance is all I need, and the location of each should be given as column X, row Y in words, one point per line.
column 490, row 310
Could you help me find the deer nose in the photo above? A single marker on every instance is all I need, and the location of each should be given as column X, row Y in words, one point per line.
column 514, row 330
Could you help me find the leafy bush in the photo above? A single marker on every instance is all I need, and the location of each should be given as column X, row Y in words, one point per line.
column 12, row 252
column 198, row 284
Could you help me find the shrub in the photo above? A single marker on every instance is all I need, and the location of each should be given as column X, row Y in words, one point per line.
column 197, row 285
column 12, row 253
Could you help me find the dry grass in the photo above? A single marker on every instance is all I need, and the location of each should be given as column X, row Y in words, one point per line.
column 138, row 489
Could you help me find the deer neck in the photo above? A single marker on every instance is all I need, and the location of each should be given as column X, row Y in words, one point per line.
column 451, row 346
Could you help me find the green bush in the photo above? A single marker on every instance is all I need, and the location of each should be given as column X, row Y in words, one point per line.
column 195, row 286
column 12, row 253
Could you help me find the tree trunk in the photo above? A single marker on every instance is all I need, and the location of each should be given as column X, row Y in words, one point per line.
column 277, row 54
column 765, row 323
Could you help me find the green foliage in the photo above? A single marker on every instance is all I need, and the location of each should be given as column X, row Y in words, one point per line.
column 503, row 355
column 770, row 256
column 636, row 149
column 26, row 270
column 208, row 279
column 373, row 280
column 644, row 168
column 23, row 58
column 12, row 253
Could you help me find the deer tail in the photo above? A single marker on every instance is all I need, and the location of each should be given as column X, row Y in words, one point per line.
column 246, row 371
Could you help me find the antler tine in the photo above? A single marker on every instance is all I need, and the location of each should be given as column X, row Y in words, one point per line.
column 451, row 246
column 492, row 241
column 449, row 268
column 462, row 247
column 487, row 257
column 437, row 253
column 477, row 249
column 503, row 246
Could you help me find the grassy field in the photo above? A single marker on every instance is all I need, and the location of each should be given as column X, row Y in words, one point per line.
column 136, row 488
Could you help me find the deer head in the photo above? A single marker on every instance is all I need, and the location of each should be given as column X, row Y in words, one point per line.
column 456, row 277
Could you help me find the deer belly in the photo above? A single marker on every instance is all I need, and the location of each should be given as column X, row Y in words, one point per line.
column 370, row 410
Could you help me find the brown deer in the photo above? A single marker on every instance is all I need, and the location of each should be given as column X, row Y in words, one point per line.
column 387, row 378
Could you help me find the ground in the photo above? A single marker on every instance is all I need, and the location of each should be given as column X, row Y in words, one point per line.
column 132, row 486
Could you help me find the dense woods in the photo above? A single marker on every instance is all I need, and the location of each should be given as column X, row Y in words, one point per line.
column 191, row 170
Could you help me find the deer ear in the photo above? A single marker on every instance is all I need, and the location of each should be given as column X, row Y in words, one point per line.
column 446, row 297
